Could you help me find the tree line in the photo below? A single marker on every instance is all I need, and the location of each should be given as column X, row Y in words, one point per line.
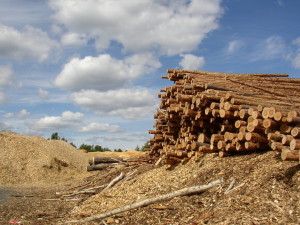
column 95, row 148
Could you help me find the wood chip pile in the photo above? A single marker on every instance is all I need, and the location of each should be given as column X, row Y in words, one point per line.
column 205, row 112
column 33, row 161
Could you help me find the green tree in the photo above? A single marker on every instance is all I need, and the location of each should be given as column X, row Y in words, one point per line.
column 94, row 148
column 55, row 136
column 106, row 150
column 89, row 148
column 73, row 145
column 98, row 148
column 145, row 146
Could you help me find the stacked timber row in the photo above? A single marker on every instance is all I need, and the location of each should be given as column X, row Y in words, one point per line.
column 205, row 112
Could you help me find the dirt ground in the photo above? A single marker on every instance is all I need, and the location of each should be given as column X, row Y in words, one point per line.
column 265, row 190
column 47, row 204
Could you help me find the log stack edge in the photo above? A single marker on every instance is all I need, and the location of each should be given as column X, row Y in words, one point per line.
column 204, row 112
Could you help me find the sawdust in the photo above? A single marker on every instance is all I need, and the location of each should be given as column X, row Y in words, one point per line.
column 266, row 191
column 35, row 161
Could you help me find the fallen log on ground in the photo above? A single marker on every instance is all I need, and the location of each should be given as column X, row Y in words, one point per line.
column 101, row 166
column 99, row 160
column 182, row 192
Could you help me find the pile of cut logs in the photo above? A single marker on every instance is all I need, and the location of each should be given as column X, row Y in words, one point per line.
column 205, row 112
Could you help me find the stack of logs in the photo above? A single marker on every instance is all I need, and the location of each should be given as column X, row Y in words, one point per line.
column 207, row 112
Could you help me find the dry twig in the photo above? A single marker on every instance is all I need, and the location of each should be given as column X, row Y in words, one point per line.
column 114, row 181
column 185, row 191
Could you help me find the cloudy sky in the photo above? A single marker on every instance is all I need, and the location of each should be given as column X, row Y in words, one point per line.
column 91, row 69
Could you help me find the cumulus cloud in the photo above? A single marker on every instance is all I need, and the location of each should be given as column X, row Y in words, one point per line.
column 29, row 43
column 56, row 29
column 234, row 46
column 192, row 62
column 73, row 39
column 43, row 94
column 271, row 48
column 128, row 103
column 171, row 27
column 5, row 126
column 6, row 80
column 23, row 113
column 280, row 2
column 8, row 115
column 132, row 113
column 103, row 72
column 2, row 97
column 66, row 120
column 100, row 127
column 296, row 60
column 297, row 41
column 295, row 56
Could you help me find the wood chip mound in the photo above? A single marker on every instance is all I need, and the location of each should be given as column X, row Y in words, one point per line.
column 257, row 189
column 35, row 161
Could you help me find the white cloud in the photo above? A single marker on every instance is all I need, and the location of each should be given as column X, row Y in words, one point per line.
column 66, row 120
column 270, row 48
column 171, row 27
column 44, row 95
column 143, row 63
column 296, row 60
column 6, row 80
column 103, row 72
column 128, row 103
column 294, row 55
column 234, row 46
column 23, row 113
column 29, row 43
column 56, row 29
column 5, row 126
column 192, row 62
column 100, row 127
column 73, row 39
column 2, row 97
column 132, row 113
column 8, row 115
column 297, row 41
column 280, row 2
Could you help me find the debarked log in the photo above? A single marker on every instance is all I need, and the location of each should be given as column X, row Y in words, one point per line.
column 100, row 166
column 289, row 155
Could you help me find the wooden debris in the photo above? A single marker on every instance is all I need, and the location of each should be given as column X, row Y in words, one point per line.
column 101, row 163
column 114, row 181
column 185, row 191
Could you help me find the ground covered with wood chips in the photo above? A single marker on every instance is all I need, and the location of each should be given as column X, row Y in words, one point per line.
column 264, row 190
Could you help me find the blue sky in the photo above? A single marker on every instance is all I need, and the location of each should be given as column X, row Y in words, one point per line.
column 91, row 69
